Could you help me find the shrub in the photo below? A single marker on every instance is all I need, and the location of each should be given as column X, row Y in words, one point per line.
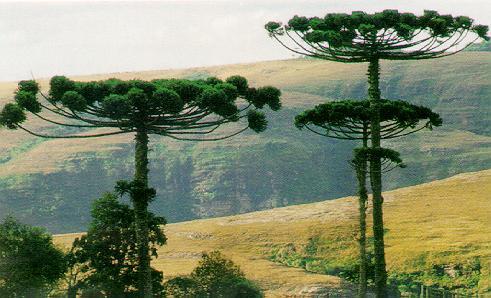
column 215, row 276
column 29, row 261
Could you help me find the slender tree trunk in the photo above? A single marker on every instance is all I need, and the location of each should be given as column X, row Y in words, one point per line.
column 361, row 174
column 376, row 180
column 140, row 205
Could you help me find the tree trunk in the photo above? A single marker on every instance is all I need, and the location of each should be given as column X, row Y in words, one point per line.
column 361, row 174
column 140, row 205
column 376, row 180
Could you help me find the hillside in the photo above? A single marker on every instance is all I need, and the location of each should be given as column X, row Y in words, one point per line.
column 442, row 224
column 254, row 172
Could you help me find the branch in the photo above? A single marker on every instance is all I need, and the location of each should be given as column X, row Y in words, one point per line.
column 73, row 136
column 207, row 140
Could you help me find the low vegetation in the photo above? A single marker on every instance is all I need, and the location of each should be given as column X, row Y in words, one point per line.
column 30, row 264
column 215, row 276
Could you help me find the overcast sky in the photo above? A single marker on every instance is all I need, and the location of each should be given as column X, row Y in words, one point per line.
column 85, row 37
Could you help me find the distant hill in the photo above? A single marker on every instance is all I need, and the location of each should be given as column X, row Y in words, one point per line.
column 52, row 182
column 442, row 224
column 484, row 46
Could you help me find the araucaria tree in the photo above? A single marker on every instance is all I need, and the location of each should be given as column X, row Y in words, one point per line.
column 178, row 109
column 350, row 120
column 360, row 37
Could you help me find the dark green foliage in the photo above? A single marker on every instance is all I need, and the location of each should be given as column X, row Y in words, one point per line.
column 135, row 189
column 58, row 86
column 74, row 101
column 166, row 104
column 347, row 118
column 107, row 255
column 180, row 287
column 265, row 95
column 218, row 101
column 116, row 105
column 390, row 158
column 11, row 115
column 167, row 100
column 257, row 121
column 28, row 86
column 27, row 100
column 240, row 83
column 29, row 261
column 215, row 276
column 359, row 36
column 353, row 120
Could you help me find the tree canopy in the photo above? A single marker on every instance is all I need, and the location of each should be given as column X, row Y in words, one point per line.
column 350, row 119
column 390, row 34
column 29, row 261
column 171, row 107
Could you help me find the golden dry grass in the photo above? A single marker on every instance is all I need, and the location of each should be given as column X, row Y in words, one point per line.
column 448, row 220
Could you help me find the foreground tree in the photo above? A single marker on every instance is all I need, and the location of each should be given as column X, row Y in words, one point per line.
column 350, row 120
column 178, row 109
column 361, row 37
column 107, row 256
column 29, row 261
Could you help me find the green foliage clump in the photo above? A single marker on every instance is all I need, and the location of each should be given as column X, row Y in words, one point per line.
column 29, row 261
column 107, row 255
column 11, row 115
column 346, row 118
column 215, row 276
column 352, row 37
column 166, row 103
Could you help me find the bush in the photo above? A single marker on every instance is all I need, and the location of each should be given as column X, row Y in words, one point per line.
column 29, row 261
column 180, row 287
column 214, row 276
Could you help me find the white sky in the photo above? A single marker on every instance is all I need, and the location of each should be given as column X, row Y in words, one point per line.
column 84, row 37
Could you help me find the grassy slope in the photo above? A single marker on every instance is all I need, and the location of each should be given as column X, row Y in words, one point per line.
column 441, row 222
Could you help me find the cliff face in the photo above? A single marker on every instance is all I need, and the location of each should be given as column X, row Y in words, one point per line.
column 52, row 182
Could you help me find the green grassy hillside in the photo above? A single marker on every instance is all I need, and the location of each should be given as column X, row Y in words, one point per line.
column 52, row 182
column 438, row 233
